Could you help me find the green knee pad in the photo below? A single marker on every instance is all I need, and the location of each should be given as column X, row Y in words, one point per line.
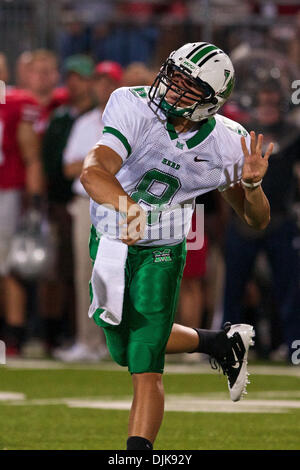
column 144, row 357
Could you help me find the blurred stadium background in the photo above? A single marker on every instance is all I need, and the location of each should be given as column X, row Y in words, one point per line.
column 56, row 393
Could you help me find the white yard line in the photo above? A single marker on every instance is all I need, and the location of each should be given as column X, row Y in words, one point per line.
column 183, row 403
column 56, row 365
column 4, row 396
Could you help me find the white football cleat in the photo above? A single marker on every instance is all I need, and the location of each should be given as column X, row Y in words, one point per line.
column 234, row 363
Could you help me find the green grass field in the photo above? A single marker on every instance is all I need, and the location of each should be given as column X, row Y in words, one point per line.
column 87, row 408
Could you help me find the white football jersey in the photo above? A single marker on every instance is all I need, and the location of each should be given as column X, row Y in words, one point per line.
column 163, row 171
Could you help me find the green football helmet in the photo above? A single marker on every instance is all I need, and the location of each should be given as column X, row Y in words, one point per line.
column 203, row 65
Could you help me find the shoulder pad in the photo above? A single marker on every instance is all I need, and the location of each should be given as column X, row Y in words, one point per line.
column 233, row 126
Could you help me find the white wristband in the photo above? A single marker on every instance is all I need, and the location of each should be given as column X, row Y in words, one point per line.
column 251, row 185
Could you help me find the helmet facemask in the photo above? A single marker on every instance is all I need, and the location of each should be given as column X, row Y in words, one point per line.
column 164, row 82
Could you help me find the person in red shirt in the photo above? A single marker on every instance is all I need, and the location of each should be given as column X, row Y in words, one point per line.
column 17, row 114
column 23, row 121
column 20, row 175
column 42, row 80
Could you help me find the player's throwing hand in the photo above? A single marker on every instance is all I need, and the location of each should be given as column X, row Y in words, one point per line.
column 133, row 225
column 255, row 164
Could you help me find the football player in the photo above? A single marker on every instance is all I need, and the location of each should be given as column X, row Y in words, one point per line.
column 161, row 147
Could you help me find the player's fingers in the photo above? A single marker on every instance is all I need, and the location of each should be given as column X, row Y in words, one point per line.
column 127, row 239
column 252, row 142
column 269, row 151
column 244, row 147
column 260, row 139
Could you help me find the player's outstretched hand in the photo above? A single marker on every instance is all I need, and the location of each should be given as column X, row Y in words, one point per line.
column 133, row 225
column 255, row 164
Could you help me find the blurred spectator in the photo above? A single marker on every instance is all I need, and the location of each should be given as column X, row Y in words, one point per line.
column 75, row 37
column 216, row 216
column 131, row 37
column 243, row 244
column 202, row 287
column 57, row 295
column 86, row 132
column 191, row 299
column 107, row 77
column 137, row 73
column 119, row 43
column 43, row 74
column 92, row 10
column 42, row 78
column 294, row 46
column 23, row 65
column 226, row 12
column 20, row 175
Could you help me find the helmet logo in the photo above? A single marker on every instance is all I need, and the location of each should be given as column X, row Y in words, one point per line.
column 188, row 64
column 226, row 73
column 227, row 91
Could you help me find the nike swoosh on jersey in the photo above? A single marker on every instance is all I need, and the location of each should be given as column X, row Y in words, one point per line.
column 196, row 159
